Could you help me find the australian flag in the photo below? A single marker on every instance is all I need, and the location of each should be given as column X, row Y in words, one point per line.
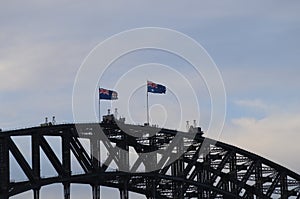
column 107, row 94
column 155, row 88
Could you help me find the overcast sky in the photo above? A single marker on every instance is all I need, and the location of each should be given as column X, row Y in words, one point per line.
column 255, row 45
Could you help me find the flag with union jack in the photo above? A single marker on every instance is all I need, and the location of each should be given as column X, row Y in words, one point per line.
column 155, row 88
column 107, row 94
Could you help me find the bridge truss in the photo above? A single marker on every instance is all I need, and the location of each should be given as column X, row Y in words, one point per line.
column 207, row 169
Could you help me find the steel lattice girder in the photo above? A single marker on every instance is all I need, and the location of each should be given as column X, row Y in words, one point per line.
column 226, row 172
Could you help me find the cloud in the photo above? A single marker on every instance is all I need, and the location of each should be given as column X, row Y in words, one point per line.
column 275, row 137
column 277, row 80
column 252, row 104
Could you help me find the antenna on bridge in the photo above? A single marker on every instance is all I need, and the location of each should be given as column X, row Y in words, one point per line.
column 108, row 111
column 53, row 120
column 46, row 120
column 187, row 125
column 116, row 113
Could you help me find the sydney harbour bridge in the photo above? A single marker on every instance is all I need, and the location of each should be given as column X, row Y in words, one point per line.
column 205, row 169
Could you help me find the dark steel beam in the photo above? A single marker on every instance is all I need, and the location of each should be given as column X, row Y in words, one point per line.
column 35, row 153
column 96, row 191
column 246, row 176
column 51, row 156
column 4, row 168
column 66, row 154
column 21, row 160
column 81, row 155
column 36, row 193
column 67, row 191
column 273, row 185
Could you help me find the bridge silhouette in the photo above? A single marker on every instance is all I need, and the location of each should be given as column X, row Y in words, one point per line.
column 205, row 169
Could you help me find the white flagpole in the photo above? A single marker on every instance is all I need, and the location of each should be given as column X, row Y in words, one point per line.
column 147, row 104
column 99, row 107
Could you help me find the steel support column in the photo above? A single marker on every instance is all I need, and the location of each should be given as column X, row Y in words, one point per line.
column 67, row 191
column 233, row 173
column 36, row 163
column 258, row 178
column 66, row 162
column 124, row 194
column 177, row 170
column 4, row 168
column 123, row 165
column 95, row 152
column 96, row 191
column 205, row 175
column 149, row 166
column 283, row 186
column 36, row 193
column 66, row 154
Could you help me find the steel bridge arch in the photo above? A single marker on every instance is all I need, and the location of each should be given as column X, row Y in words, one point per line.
column 225, row 172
